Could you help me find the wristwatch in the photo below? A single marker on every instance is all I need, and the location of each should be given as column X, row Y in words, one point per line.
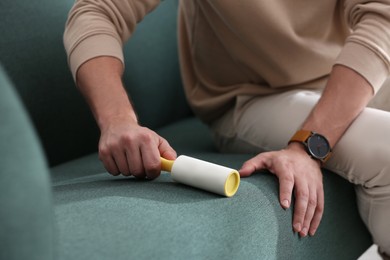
column 317, row 146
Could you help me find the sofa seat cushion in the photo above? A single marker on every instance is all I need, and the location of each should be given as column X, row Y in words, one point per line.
column 104, row 217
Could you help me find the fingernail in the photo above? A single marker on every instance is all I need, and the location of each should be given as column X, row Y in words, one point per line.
column 312, row 232
column 285, row 203
column 297, row 227
column 303, row 232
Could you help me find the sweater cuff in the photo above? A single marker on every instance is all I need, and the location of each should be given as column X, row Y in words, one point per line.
column 365, row 62
column 92, row 47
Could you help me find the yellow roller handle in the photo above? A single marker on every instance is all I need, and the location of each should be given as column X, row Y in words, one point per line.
column 166, row 165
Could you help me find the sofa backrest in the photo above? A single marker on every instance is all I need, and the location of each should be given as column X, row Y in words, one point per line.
column 26, row 210
column 32, row 53
column 152, row 74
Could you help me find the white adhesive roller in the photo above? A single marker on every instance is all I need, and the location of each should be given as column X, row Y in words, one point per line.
column 203, row 175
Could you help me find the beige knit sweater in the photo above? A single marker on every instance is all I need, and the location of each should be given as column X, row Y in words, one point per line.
column 246, row 47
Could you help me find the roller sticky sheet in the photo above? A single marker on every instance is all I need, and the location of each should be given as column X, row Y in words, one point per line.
column 203, row 175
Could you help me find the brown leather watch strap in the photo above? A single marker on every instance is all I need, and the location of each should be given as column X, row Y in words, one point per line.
column 327, row 157
column 300, row 136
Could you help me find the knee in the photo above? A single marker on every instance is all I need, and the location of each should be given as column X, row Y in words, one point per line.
column 377, row 172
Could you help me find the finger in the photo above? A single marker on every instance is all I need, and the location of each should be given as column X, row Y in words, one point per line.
column 252, row 165
column 121, row 162
column 165, row 150
column 301, row 201
column 286, row 186
column 286, row 181
column 110, row 165
column 318, row 212
column 108, row 161
column 134, row 162
column 133, row 158
column 151, row 160
column 311, row 208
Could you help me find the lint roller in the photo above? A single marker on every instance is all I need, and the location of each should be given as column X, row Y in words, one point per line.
column 203, row 175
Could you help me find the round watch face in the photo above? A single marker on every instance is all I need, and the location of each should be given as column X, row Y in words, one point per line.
column 318, row 146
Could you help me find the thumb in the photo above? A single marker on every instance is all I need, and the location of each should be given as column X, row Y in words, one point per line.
column 246, row 170
column 252, row 165
column 166, row 151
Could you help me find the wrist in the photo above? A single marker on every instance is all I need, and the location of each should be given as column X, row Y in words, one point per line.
column 315, row 145
column 301, row 149
column 109, row 119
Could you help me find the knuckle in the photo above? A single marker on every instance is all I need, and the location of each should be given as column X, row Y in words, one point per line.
column 299, row 215
column 287, row 178
column 320, row 208
column 247, row 164
column 146, row 137
column 103, row 152
column 141, row 137
column 302, row 195
column 163, row 141
column 127, row 139
column 312, row 202
column 109, row 148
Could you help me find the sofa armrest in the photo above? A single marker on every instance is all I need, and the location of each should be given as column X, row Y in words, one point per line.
column 26, row 211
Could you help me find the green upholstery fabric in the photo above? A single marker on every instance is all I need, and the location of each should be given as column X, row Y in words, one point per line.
column 26, row 213
column 105, row 217
column 32, row 52
column 122, row 218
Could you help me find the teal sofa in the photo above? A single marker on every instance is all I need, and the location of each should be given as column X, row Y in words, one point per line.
column 58, row 202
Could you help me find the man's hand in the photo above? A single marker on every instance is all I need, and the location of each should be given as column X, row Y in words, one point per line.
column 344, row 97
column 124, row 147
column 297, row 172
column 129, row 149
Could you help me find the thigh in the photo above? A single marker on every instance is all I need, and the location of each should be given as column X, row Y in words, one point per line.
column 362, row 154
column 266, row 123
column 259, row 124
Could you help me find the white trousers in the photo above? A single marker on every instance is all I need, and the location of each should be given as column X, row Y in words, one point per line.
column 362, row 156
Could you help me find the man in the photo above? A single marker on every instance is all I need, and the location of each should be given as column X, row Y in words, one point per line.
column 285, row 79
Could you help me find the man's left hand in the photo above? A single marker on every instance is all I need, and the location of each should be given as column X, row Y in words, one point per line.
column 297, row 172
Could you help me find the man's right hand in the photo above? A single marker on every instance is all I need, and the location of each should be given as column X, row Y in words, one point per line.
column 125, row 147
column 130, row 149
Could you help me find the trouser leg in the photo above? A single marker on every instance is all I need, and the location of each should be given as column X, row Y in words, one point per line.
column 381, row 101
column 362, row 156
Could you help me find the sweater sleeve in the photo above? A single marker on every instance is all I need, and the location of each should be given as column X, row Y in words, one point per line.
column 101, row 27
column 367, row 49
